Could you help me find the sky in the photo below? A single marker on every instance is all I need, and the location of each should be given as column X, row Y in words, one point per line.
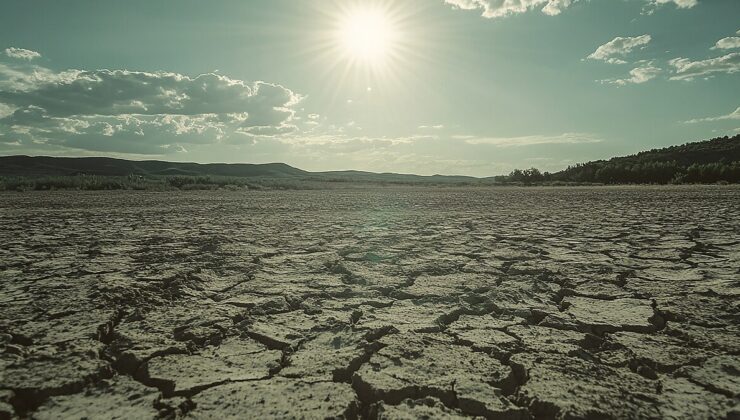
column 454, row 87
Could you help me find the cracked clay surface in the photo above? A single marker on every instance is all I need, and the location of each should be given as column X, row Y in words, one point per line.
column 382, row 303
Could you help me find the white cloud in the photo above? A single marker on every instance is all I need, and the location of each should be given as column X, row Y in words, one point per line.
column 20, row 76
column 21, row 53
column 728, row 43
column 685, row 69
column 681, row 4
column 735, row 115
column 652, row 5
column 137, row 112
column 339, row 139
column 135, row 134
column 619, row 47
column 638, row 75
column 115, row 92
column 269, row 131
column 554, row 7
column 565, row 138
column 502, row 8
column 5, row 110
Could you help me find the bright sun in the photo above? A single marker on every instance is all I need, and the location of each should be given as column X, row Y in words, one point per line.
column 368, row 44
column 367, row 35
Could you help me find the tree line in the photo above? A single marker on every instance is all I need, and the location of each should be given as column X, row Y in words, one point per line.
column 706, row 162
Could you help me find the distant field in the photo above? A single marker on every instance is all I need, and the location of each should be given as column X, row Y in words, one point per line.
column 191, row 183
column 504, row 302
column 157, row 183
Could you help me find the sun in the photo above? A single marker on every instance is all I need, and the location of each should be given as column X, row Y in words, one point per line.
column 367, row 48
column 367, row 35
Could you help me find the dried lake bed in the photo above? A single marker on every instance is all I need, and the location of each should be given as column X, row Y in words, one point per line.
column 503, row 303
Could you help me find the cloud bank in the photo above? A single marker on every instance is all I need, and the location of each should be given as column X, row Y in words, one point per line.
column 565, row 138
column 681, row 4
column 679, row 68
column 492, row 9
column 136, row 112
column 501, row 8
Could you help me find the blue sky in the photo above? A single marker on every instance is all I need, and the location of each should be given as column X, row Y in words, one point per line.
column 473, row 87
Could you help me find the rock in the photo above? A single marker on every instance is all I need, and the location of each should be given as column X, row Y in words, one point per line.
column 559, row 386
column 420, row 365
column 236, row 359
column 723, row 340
column 529, row 294
column 49, row 371
column 6, row 408
column 612, row 315
column 600, row 290
column 426, row 408
column 719, row 374
column 658, row 351
column 535, row 338
column 330, row 355
column 82, row 325
column 682, row 399
column 484, row 332
column 480, row 399
column 446, row 287
column 117, row 398
column 260, row 304
column 290, row 328
column 276, row 398
column 705, row 311
column 407, row 316
column 170, row 330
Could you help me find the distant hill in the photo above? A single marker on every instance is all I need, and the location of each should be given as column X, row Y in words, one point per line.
column 704, row 161
column 701, row 152
column 26, row 166
column 715, row 160
column 61, row 166
column 360, row 176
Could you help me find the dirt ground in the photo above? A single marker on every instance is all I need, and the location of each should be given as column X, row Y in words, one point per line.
column 390, row 303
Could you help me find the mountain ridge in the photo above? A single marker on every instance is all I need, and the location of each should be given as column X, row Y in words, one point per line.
column 720, row 149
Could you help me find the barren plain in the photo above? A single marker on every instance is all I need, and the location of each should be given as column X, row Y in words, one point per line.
column 620, row 302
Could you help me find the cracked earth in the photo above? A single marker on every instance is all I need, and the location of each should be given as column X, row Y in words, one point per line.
column 383, row 303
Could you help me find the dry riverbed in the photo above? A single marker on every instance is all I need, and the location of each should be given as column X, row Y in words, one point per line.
column 382, row 303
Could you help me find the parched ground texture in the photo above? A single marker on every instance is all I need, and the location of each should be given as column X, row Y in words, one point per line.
column 382, row 303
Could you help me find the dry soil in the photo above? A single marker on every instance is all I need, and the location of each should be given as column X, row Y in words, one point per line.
column 379, row 303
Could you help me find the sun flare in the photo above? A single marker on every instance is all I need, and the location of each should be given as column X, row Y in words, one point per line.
column 369, row 48
column 367, row 35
